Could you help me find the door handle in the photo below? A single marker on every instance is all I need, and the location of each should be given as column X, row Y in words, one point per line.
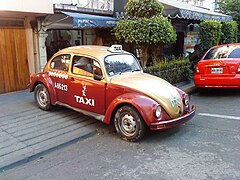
column 71, row 79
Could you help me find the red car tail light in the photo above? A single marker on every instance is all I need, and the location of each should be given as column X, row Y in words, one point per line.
column 238, row 70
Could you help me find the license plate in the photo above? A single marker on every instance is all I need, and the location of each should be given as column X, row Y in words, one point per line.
column 217, row 70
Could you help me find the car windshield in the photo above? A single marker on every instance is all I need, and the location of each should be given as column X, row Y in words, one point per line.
column 223, row 52
column 120, row 63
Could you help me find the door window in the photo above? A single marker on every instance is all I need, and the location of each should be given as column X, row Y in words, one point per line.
column 86, row 67
column 82, row 66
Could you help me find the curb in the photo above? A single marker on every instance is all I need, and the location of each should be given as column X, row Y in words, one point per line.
column 190, row 90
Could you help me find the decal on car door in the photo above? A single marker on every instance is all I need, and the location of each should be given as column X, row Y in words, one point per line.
column 83, row 99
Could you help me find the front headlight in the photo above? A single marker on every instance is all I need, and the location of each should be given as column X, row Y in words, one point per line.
column 158, row 112
column 186, row 99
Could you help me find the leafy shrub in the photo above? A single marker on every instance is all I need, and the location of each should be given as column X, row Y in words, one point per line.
column 229, row 32
column 174, row 71
column 210, row 34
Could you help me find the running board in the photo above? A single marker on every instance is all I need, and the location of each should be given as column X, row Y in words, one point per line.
column 87, row 113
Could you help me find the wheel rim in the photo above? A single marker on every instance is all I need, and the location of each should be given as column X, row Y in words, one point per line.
column 127, row 124
column 42, row 97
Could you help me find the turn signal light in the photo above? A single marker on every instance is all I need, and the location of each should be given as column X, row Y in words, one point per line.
column 186, row 99
column 238, row 68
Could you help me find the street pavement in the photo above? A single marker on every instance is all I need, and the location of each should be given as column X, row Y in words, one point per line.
column 27, row 132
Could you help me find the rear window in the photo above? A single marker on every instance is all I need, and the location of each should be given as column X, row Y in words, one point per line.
column 223, row 52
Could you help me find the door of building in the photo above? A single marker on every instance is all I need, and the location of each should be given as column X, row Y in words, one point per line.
column 14, row 72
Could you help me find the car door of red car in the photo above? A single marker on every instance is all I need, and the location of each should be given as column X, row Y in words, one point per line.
column 59, row 75
column 85, row 91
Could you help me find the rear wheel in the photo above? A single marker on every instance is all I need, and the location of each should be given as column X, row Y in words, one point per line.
column 129, row 124
column 42, row 97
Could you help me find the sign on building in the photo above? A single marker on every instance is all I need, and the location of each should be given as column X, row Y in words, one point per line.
column 106, row 5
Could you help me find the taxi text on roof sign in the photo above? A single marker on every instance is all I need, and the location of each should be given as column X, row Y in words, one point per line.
column 115, row 48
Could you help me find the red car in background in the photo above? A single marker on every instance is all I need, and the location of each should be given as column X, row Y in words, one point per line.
column 219, row 68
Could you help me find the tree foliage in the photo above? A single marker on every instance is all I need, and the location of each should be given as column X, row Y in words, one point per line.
column 145, row 26
column 229, row 32
column 210, row 34
column 146, row 30
column 143, row 8
column 230, row 7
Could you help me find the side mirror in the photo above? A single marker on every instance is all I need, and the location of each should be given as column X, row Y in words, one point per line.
column 97, row 77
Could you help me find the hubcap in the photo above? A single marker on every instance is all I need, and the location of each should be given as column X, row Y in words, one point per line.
column 128, row 124
column 42, row 97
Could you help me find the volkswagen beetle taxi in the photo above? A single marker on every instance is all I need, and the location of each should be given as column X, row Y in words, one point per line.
column 108, row 84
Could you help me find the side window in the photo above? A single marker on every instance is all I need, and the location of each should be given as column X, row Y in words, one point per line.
column 61, row 62
column 235, row 53
column 82, row 66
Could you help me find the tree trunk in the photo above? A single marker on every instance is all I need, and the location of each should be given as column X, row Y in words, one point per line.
column 157, row 52
column 144, row 56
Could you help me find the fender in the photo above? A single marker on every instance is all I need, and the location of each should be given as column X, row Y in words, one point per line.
column 46, row 80
column 144, row 105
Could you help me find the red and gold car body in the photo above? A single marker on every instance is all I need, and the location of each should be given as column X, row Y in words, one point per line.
column 219, row 68
column 102, row 97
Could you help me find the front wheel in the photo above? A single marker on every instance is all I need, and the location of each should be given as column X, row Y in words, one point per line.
column 129, row 124
column 42, row 97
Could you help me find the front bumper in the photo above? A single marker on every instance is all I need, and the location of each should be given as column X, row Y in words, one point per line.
column 173, row 122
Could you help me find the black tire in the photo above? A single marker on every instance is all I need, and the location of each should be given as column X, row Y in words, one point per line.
column 129, row 124
column 42, row 97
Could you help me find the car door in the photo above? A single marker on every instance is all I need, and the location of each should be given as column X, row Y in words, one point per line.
column 58, row 73
column 85, row 91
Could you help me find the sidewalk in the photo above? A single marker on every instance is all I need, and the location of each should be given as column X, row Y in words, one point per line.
column 188, row 86
column 27, row 133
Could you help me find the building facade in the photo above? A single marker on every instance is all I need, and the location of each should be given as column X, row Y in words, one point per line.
column 19, row 52
column 208, row 4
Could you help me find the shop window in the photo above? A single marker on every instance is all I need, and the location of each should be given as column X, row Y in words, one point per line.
column 60, row 39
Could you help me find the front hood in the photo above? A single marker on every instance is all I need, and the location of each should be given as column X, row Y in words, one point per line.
column 158, row 89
